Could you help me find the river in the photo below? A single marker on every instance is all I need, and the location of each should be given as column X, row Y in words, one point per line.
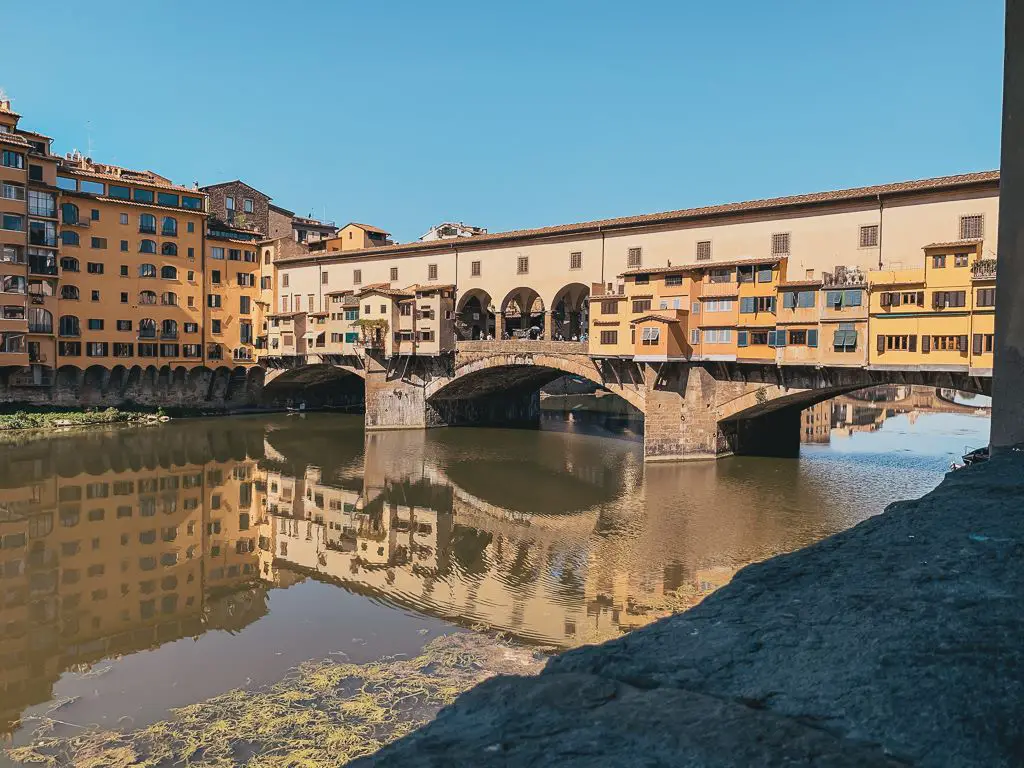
column 144, row 569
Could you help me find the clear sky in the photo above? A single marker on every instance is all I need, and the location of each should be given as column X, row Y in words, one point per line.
column 508, row 115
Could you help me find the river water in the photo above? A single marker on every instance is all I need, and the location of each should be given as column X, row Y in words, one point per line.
column 144, row 569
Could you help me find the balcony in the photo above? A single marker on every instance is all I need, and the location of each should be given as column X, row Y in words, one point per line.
column 711, row 290
column 42, row 267
column 983, row 269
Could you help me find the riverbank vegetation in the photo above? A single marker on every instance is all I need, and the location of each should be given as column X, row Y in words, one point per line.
column 42, row 418
column 324, row 713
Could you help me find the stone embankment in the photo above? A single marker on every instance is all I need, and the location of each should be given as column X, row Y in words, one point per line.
column 897, row 642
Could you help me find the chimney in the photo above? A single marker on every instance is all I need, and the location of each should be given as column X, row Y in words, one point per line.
column 5, row 105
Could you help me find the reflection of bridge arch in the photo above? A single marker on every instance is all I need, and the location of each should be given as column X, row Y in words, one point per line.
column 493, row 374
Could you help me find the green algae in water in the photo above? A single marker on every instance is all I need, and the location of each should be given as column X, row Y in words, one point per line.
column 321, row 714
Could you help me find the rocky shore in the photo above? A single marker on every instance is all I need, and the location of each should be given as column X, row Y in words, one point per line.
column 897, row 642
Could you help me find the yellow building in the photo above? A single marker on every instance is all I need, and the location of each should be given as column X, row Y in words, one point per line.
column 131, row 288
column 234, row 305
column 925, row 318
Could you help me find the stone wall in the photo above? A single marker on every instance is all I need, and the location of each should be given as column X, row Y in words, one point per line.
column 152, row 387
column 258, row 219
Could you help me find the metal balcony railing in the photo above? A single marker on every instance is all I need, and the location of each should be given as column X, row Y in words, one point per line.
column 984, row 269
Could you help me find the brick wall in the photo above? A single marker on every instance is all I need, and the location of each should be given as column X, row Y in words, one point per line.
column 259, row 218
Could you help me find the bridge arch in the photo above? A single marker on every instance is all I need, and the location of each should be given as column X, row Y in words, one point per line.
column 496, row 373
column 522, row 309
column 475, row 317
column 320, row 384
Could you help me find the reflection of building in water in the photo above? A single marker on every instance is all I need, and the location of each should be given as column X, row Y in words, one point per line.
column 816, row 423
column 100, row 564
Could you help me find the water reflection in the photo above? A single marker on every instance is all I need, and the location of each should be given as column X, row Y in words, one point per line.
column 120, row 541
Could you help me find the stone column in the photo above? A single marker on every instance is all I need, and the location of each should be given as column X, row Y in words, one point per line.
column 549, row 325
column 681, row 417
column 1008, row 372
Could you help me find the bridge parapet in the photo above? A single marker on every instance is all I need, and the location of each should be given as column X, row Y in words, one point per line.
column 521, row 346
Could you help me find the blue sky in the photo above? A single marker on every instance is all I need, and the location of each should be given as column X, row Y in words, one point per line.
column 516, row 115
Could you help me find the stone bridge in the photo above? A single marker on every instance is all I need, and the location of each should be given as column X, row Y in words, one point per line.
column 691, row 410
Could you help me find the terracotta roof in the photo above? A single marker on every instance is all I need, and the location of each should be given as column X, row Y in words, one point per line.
column 127, row 176
column 339, row 293
column 955, row 244
column 132, row 203
column 800, row 284
column 13, row 138
column 608, row 297
column 318, row 314
column 703, row 265
column 367, row 227
column 385, row 289
column 430, row 288
column 285, row 314
column 854, row 194
column 654, row 316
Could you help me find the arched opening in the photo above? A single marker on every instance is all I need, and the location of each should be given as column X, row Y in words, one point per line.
column 475, row 318
column 69, row 213
column 169, row 226
column 69, row 292
column 522, row 314
column 315, row 386
column 169, row 249
column 570, row 313
column 168, row 272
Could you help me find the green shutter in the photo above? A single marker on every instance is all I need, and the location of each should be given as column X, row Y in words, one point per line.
column 742, row 338
column 780, row 338
column 812, row 337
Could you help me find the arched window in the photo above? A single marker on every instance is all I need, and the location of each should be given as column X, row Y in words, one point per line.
column 68, row 326
column 169, row 226
column 147, row 246
column 169, row 329
column 147, row 223
column 39, row 320
column 168, row 273
column 147, row 328
column 69, row 292
column 147, row 297
column 169, row 249
column 169, row 299
column 69, row 213
column 147, row 270
column 67, row 237
column 69, row 263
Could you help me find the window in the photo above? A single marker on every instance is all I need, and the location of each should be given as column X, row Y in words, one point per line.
column 474, row 269
column 191, row 350
column 124, row 246
column 718, row 336
column 169, row 249
column 96, row 349
column 39, row 203
column 721, row 276
column 169, row 329
column 143, row 196
column 247, row 280
column 13, row 284
column 69, row 263
column 799, row 299
column 93, row 268
column 190, row 227
column 609, row 337
column 95, row 325
column 244, row 305
column 147, row 246
column 672, row 281
column 949, row 299
column 35, row 172
column 718, row 305
column 69, row 292
column 764, row 273
column 522, row 265
column 124, row 297
column 609, row 307
column 195, row 203
column 169, row 299
column 745, row 274
column 147, row 350
column 901, row 343
column 124, row 325
column 641, row 305
column 66, row 237
column 147, row 297
column 147, row 223
column 576, row 260
column 309, row 303
column 16, row 223
column 147, row 330
column 938, row 261
column 797, row 337
column 216, row 252
column 694, row 336
column 431, row 271
column 642, row 280
column 168, row 350
column 147, row 270
column 247, row 205
column 98, row 242
column 215, row 276
column 960, row 259
column 168, row 273
column 121, row 193
column 213, row 300
column 983, row 343
column 191, row 327
column 972, row 227
column 69, row 348
column 869, row 236
column 15, row 192
column 357, row 277
column 753, row 304
column 703, row 250
column 167, row 198
column 234, row 254
column 650, row 337
column 986, row 297
column 780, row 244
column 13, row 159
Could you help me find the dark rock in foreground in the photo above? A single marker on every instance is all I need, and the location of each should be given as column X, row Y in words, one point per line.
column 900, row 641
